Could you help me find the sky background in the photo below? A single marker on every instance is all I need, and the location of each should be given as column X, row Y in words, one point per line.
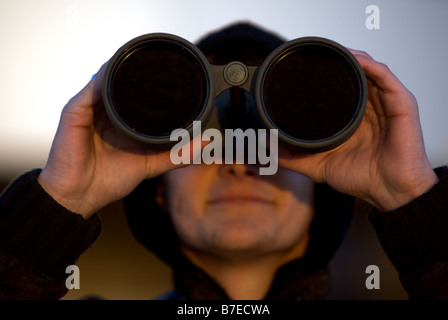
column 51, row 48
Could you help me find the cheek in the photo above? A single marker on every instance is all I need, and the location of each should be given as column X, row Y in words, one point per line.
column 184, row 195
column 181, row 202
column 297, row 208
column 184, row 212
column 297, row 217
column 184, row 190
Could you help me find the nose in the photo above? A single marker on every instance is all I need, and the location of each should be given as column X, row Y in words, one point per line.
column 237, row 109
column 238, row 170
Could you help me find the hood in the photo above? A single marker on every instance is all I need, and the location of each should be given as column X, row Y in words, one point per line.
column 153, row 227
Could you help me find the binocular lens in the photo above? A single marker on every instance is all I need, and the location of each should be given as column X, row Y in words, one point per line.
column 157, row 86
column 313, row 93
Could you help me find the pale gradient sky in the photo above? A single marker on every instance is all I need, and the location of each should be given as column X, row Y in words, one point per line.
column 50, row 49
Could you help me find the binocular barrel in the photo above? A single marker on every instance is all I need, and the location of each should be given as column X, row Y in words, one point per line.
column 312, row 90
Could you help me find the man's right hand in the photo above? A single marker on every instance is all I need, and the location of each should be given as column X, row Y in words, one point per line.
column 91, row 164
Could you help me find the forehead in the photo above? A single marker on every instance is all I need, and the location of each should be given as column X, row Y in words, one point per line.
column 244, row 42
column 247, row 53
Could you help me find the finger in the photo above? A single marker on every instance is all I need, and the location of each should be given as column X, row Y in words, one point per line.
column 299, row 162
column 188, row 151
column 91, row 94
column 97, row 82
column 379, row 73
column 359, row 52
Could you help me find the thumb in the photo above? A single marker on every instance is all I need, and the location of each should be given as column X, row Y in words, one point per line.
column 89, row 96
column 180, row 155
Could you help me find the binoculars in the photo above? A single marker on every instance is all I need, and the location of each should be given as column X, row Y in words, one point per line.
column 311, row 89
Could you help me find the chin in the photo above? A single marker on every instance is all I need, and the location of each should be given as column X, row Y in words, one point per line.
column 240, row 236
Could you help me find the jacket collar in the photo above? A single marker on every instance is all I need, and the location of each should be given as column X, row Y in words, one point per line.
column 293, row 281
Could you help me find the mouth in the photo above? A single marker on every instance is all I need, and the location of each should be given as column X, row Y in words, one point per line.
column 240, row 199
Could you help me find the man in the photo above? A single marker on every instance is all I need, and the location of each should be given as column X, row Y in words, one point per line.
column 226, row 231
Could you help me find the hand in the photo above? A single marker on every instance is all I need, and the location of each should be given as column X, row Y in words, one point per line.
column 384, row 162
column 91, row 164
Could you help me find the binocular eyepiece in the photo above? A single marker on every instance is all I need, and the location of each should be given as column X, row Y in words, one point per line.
column 312, row 90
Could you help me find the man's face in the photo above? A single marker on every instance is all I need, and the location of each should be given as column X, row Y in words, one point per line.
column 230, row 209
